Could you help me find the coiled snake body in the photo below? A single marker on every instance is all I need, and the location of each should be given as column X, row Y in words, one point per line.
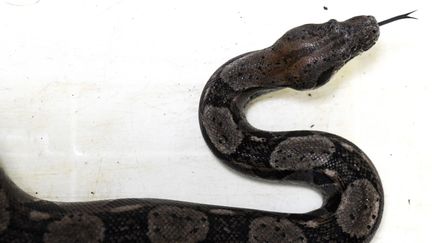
column 303, row 58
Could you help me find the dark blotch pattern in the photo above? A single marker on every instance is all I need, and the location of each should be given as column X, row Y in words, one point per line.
column 275, row 230
column 359, row 207
column 169, row 224
column 244, row 72
column 75, row 228
column 221, row 129
column 302, row 153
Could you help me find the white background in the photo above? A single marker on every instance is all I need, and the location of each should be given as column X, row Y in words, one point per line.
column 99, row 100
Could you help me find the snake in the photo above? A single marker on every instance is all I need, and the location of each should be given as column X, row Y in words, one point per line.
column 304, row 58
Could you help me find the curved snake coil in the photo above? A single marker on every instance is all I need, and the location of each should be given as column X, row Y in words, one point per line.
column 303, row 58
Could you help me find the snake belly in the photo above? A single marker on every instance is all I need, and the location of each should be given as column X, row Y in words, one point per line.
column 303, row 58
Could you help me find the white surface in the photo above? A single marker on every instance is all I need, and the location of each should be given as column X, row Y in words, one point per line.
column 99, row 100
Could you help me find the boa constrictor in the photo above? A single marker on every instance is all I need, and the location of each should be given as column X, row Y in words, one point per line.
column 303, row 58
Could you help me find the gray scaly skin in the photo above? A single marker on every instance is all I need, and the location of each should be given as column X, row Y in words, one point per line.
column 303, row 58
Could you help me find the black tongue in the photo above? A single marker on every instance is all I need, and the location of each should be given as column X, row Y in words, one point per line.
column 402, row 16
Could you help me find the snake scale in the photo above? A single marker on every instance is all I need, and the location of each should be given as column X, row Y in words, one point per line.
column 303, row 58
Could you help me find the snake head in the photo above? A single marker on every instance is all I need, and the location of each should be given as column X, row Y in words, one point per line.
column 314, row 52
column 362, row 33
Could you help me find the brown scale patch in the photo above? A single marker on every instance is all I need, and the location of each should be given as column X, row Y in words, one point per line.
column 274, row 230
column 39, row 216
column 75, row 228
column 302, row 153
column 169, row 224
column 221, row 129
column 311, row 224
column 258, row 139
column 348, row 147
column 222, row 211
column 330, row 173
column 4, row 211
column 359, row 207
column 126, row 208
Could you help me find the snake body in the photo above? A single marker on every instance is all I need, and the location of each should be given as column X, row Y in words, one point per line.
column 303, row 58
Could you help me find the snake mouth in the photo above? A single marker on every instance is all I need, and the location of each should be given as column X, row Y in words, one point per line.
column 325, row 77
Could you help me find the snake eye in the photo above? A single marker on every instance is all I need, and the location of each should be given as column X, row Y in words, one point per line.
column 333, row 25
